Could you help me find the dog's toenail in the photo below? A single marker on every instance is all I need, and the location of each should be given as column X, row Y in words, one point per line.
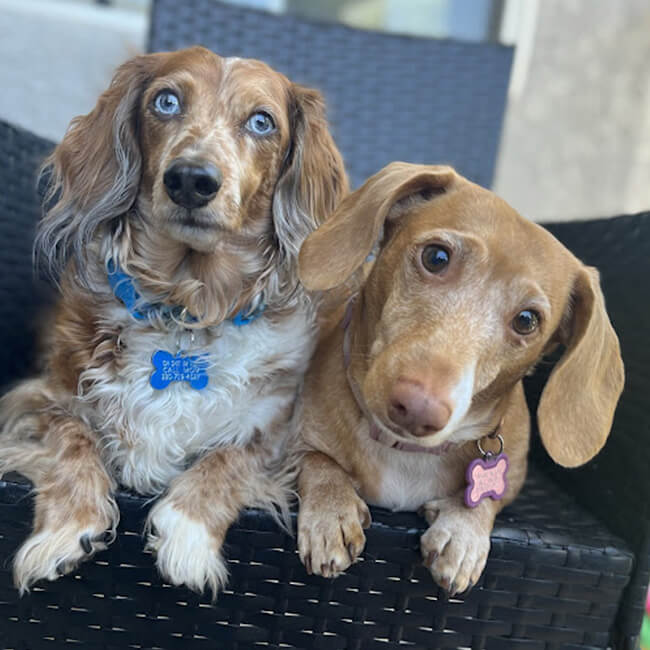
column 85, row 544
column 431, row 558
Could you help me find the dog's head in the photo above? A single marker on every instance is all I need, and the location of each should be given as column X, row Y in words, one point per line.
column 211, row 170
column 464, row 298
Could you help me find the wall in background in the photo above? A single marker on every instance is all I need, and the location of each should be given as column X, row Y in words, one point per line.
column 56, row 57
column 576, row 140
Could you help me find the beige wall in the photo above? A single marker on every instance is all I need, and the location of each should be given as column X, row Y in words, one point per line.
column 576, row 142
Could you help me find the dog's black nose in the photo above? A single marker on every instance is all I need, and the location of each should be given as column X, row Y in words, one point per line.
column 192, row 184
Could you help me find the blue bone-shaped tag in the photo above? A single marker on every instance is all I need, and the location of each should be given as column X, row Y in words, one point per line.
column 169, row 368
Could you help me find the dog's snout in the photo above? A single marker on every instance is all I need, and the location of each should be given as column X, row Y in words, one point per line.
column 192, row 184
column 416, row 409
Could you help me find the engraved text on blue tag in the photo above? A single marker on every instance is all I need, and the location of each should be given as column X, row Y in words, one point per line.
column 170, row 368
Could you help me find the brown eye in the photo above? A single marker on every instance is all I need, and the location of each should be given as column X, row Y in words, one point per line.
column 435, row 258
column 525, row 322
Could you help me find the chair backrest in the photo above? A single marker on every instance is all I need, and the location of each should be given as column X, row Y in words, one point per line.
column 21, row 295
column 389, row 97
column 620, row 248
column 615, row 486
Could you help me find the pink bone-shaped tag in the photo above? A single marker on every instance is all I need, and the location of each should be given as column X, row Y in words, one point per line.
column 486, row 478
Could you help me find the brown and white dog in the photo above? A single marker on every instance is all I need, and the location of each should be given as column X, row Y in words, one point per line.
column 464, row 298
column 175, row 214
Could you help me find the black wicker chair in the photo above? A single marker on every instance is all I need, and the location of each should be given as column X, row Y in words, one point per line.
column 569, row 559
column 389, row 97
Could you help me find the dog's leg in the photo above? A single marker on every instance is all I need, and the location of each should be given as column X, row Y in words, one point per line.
column 456, row 545
column 186, row 528
column 332, row 517
column 75, row 514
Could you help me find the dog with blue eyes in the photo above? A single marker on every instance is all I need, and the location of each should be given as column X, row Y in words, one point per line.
column 175, row 213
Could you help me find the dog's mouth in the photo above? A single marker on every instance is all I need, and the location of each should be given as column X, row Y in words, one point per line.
column 197, row 228
column 386, row 435
column 392, row 435
column 383, row 430
column 197, row 219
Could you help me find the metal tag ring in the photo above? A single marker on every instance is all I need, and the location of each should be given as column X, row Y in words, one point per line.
column 489, row 453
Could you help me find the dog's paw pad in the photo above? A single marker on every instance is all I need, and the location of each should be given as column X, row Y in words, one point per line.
column 455, row 552
column 51, row 553
column 330, row 541
column 187, row 553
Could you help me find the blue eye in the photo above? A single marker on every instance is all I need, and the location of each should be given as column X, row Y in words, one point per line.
column 435, row 258
column 167, row 103
column 260, row 123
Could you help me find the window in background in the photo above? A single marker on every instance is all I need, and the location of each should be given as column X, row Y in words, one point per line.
column 473, row 20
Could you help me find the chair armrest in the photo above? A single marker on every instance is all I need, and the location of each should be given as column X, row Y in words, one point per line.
column 615, row 486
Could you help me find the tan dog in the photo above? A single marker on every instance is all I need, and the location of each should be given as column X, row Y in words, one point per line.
column 463, row 300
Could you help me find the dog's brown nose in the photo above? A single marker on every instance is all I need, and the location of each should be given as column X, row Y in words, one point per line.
column 192, row 184
column 416, row 409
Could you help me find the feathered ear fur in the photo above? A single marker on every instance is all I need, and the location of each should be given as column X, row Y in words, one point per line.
column 93, row 175
column 339, row 247
column 577, row 407
column 314, row 179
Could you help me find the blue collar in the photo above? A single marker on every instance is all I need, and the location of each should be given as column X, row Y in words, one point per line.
column 124, row 289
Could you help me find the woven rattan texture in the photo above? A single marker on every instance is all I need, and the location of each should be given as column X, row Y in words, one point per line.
column 389, row 97
column 553, row 580
column 20, row 296
column 616, row 485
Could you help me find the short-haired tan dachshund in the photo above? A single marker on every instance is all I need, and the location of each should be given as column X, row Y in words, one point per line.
column 425, row 362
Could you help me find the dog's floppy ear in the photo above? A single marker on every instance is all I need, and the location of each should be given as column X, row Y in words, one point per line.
column 313, row 180
column 93, row 175
column 339, row 247
column 577, row 406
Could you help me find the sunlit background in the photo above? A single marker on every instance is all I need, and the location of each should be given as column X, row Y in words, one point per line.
column 576, row 137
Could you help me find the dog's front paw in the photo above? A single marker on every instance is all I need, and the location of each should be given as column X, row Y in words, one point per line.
column 455, row 547
column 330, row 536
column 54, row 550
column 187, row 552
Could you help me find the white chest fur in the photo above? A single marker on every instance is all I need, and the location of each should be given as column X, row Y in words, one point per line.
column 404, row 480
column 149, row 435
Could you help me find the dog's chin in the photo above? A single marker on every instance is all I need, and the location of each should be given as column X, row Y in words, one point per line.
column 196, row 229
